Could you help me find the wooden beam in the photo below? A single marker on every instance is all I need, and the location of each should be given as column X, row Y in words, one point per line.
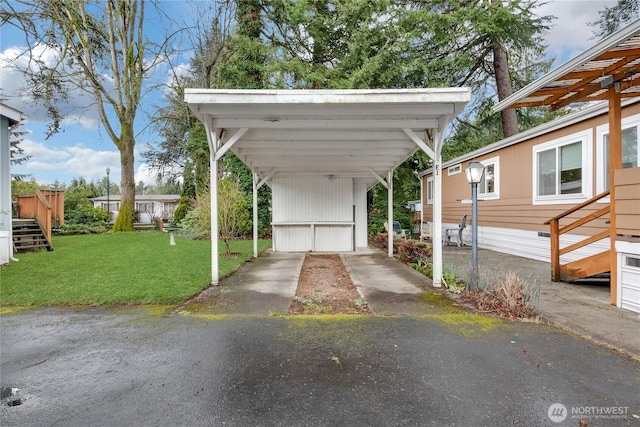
column 615, row 162
column 235, row 138
column 621, row 74
column 329, row 124
column 618, row 53
column 420, row 143
column 379, row 178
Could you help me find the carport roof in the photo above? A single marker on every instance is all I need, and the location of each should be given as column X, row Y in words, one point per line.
column 344, row 133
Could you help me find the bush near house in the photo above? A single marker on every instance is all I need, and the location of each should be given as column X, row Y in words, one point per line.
column 504, row 295
column 84, row 219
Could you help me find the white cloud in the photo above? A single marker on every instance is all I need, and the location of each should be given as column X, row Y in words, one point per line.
column 570, row 34
column 39, row 150
column 78, row 108
column 67, row 162
column 146, row 174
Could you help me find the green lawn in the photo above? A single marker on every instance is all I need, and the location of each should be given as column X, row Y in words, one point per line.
column 115, row 268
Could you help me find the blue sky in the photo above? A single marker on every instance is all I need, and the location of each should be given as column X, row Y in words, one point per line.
column 83, row 149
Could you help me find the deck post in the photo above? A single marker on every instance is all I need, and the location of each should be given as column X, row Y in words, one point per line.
column 555, row 250
column 615, row 162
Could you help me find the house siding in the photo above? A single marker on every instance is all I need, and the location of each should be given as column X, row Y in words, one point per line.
column 512, row 222
column 314, row 213
column 627, row 204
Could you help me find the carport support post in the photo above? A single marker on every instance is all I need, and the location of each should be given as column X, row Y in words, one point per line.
column 390, row 212
column 255, row 214
column 212, row 139
column 438, row 138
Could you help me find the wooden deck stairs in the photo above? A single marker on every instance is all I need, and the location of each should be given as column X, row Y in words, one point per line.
column 28, row 235
column 586, row 267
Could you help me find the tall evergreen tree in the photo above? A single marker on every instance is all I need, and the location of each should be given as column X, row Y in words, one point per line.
column 615, row 17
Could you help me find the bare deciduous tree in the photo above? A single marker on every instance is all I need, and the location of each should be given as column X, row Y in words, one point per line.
column 100, row 49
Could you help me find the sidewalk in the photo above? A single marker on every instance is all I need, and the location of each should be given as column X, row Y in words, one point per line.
column 583, row 309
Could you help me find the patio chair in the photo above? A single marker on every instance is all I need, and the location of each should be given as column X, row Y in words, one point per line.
column 426, row 231
column 398, row 231
column 456, row 232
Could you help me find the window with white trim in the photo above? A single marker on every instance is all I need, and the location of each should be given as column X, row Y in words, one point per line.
column 561, row 169
column 489, row 186
column 630, row 150
column 430, row 191
column 454, row 170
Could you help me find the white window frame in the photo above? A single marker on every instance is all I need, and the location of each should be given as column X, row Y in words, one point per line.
column 586, row 139
column 494, row 195
column 454, row 170
column 430, row 193
column 601, row 131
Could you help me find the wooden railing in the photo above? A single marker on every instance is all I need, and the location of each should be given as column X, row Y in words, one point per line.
column 37, row 207
column 585, row 267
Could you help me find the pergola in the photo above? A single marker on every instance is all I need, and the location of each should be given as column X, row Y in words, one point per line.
column 608, row 71
column 360, row 134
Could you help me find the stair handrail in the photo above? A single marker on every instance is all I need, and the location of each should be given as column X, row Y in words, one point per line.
column 43, row 214
column 556, row 231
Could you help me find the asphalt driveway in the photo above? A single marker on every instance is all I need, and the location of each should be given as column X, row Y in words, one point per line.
column 135, row 366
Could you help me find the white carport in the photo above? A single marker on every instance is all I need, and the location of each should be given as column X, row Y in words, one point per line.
column 360, row 136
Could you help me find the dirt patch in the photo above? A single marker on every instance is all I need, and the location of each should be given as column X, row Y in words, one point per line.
column 325, row 287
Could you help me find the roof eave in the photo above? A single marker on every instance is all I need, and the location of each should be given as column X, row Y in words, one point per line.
column 604, row 45
column 564, row 121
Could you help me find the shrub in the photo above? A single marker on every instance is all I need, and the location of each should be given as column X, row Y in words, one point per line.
column 507, row 296
column 70, row 228
column 86, row 214
column 182, row 209
column 197, row 222
column 408, row 251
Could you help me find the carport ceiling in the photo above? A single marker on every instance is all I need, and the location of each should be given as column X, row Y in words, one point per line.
column 341, row 133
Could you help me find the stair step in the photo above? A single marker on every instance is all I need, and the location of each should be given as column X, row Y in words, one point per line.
column 28, row 236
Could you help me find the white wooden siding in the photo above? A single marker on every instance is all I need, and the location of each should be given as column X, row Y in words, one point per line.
column 527, row 244
column 292, row 238
column 312, row 199
column 628, row 275
column 332, row 238
column 312, row 213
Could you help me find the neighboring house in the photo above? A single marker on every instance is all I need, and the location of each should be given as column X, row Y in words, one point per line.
column 535, row 176
column 9, row 118
column 150, row 207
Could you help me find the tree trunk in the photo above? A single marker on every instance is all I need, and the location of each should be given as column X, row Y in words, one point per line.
column 503, row 84
column 124, row 220
column 505, row 89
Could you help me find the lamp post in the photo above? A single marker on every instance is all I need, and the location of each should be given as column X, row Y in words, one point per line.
column 108, row 185
column 474, row 173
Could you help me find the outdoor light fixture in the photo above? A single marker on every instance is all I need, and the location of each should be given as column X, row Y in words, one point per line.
column 108, row 185
column 474, row 173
